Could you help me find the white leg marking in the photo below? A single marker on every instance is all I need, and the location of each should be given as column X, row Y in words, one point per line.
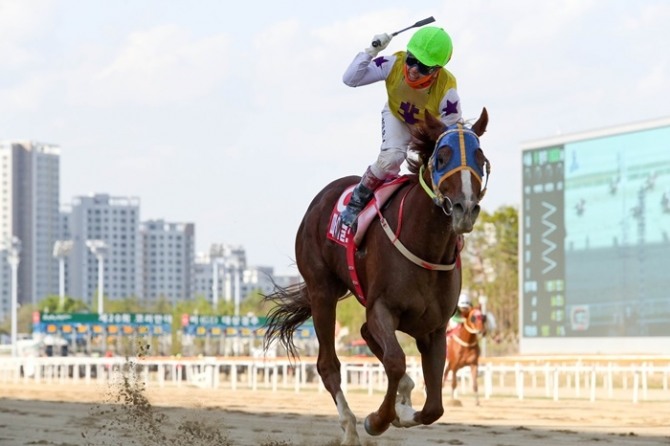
column 347, row 421
column 405, row 416
column 405, row 388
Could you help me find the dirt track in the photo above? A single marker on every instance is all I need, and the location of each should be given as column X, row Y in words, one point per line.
column 55, row 414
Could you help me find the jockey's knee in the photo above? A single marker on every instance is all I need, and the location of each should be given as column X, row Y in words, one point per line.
column 388, row 163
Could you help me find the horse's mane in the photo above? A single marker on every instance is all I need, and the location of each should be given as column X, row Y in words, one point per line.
column 424, row 136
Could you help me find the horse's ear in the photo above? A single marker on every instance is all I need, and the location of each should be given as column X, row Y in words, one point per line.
column 479, row 127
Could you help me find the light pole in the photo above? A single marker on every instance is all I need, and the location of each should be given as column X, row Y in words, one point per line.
column 233, row 266
column 216, row 263
column 482, row 302
column 99, row 249
column 14, row 249
column 62, row 249
column 238, row 272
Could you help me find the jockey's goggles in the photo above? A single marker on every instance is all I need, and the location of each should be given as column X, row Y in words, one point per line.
column 412, row 61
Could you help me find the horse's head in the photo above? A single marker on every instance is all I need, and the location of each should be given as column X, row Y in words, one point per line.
column 476, row 322
column 452, row 167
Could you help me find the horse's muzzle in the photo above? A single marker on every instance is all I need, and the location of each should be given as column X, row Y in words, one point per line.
column 464, row 216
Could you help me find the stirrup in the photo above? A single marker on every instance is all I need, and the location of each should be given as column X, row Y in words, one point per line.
column 348, row 217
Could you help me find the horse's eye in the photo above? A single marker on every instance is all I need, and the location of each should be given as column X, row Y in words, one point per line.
column 443, row 157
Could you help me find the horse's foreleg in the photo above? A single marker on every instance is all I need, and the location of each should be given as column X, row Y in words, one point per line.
column 381, row 326
column 405, row 388
column 454, row 383
column 406, row 384
column 475, row 387
column 446, row 375
column 433, row 358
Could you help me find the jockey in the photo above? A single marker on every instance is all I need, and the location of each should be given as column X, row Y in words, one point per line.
column 464, row 307
column 416, row 82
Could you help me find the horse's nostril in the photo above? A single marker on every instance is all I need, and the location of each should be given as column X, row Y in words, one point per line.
column 475, row 211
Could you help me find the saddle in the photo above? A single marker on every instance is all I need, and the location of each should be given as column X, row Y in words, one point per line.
column 346, row 237
column 344, row 234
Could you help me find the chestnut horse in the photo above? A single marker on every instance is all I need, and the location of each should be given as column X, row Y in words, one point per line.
column 463, row 349
column 411, row 278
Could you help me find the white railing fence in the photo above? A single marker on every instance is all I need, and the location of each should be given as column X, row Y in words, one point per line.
column 626, row 380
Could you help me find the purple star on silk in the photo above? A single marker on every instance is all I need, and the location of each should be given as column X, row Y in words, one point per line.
column 380, row 60
column 452, row 107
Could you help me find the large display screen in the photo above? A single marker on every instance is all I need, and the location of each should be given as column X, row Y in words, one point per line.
column 596, row 237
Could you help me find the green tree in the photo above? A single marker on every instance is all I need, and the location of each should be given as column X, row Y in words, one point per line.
column 24, row 321
column 127, row 305
column 51, row 304
column 162, row 306
column 490, row 268
column 254, row 303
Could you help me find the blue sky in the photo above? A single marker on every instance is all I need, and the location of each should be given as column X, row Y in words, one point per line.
column 234, row 118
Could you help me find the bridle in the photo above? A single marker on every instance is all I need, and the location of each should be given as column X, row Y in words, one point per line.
column 462, row 162
column 470, row 329
column 468, row 325
column 465, row 161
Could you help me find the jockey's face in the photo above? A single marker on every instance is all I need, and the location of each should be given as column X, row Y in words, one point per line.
column 418, row 75
column 419, row 69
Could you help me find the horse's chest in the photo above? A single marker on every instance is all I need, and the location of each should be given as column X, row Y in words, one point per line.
column 421, row 320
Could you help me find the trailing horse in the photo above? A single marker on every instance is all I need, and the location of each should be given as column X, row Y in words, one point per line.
column 405, row 270
column 463, row 350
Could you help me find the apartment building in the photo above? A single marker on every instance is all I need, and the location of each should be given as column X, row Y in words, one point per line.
column 105, row 233
column 168, row 260
column 29, row 200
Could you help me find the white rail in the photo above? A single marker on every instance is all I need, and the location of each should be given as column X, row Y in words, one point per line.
column 623, row 381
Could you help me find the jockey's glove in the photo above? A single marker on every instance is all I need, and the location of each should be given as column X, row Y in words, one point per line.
column 379, row 42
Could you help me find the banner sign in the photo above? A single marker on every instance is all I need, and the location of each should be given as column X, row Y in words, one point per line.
column 152, row 324
column 82, row 324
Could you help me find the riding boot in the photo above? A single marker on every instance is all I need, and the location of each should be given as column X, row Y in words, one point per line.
column 361, row 195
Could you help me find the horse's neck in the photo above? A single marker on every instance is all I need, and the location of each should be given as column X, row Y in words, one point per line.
column 424, row 217
column 465, row 334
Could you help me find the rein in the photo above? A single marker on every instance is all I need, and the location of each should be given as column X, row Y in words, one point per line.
column 437, row 197
column 395, row 241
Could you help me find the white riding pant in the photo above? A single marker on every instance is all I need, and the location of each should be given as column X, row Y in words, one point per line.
column 395, row 140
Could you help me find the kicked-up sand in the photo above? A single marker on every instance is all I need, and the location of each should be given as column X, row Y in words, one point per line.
column 125, row 413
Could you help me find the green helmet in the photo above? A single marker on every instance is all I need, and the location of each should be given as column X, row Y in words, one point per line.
column 431, row 45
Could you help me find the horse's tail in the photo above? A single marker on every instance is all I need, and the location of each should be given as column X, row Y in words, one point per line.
column 292, row 310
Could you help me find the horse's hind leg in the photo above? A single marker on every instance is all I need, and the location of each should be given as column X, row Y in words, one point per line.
column 475, row 386
column 324, row 304
column 454, row 383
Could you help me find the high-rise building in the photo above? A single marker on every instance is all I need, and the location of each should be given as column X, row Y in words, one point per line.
column 29, row 201
column 219, row 274
column 105, row 233
column 169, row 251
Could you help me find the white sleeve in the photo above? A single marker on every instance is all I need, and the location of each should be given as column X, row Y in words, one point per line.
column 450, row 108
column 364, row 70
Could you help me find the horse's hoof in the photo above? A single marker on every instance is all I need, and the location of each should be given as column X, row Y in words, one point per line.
column 369, row 429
